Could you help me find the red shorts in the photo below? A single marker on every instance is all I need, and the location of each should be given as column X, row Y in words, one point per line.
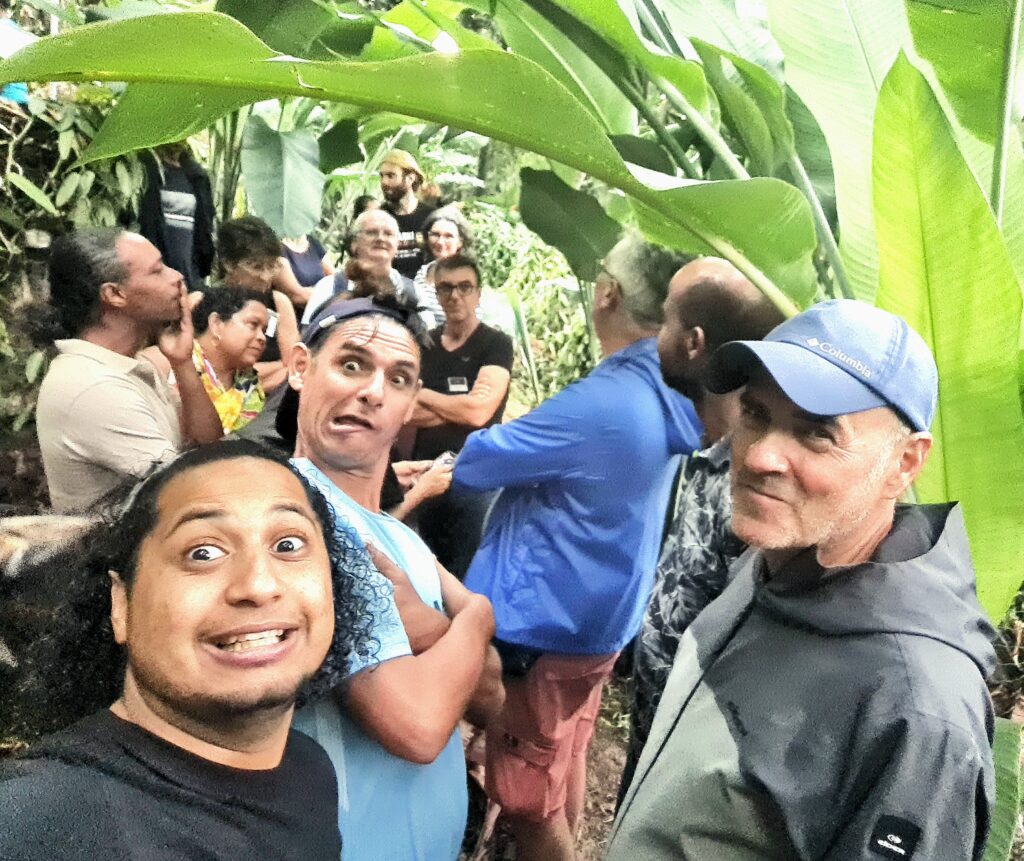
column 543, row 732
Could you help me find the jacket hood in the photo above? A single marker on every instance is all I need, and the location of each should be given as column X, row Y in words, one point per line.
column 682, row 425
column 919, row 583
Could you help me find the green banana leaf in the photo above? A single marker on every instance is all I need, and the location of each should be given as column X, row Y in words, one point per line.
column 570, row 220
column 282, row 176
column 531, row 35
column 718, row 23
column 952, row 280
column 288, row 26
column 837, row 53
column 494, row 93
column 1006, row 756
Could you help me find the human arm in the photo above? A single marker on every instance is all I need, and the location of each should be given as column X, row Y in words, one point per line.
column 431, row 482
column 199, row 420
column 273, row 374
column 473, row 409
column 285, row 281
column 921, row 787
column 412, row 705
column 553, row 441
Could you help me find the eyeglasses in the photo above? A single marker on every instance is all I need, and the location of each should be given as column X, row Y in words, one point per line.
column 433, row 234
column 446, row 288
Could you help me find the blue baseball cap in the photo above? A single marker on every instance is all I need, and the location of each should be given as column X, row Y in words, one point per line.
column 839, row 357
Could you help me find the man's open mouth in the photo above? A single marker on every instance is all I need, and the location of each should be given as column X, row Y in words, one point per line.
column 255, row 640
column 340, row 421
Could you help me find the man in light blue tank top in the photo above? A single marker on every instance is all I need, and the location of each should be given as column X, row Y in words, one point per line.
column 391, row 730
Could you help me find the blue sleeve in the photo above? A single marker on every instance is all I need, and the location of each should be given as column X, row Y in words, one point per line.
column 548, row 443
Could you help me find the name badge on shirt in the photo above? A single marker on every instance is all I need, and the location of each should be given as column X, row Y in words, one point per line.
column 458, row 385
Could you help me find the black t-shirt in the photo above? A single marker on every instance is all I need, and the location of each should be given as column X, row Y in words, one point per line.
column 410, row 257
column 107, row 790
column 454, row 373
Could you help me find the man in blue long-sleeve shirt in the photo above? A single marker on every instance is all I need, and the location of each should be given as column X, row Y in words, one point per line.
column 570, row 549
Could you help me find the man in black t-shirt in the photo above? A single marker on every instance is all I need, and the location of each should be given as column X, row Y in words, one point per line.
column 221, row 597
column 400, row 179
column 465, row 386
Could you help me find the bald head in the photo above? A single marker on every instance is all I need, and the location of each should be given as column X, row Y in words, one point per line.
column 709, row 303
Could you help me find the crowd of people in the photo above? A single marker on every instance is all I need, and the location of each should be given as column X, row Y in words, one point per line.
column 315, row 553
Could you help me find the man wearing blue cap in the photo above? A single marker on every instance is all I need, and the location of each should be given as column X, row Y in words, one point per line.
column 831, row 704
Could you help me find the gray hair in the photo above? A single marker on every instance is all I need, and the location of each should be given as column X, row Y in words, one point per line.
column 367, row 214
column 79, row 264
column 643, row 271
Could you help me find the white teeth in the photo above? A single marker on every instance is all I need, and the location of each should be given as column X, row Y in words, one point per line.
column 244, row 642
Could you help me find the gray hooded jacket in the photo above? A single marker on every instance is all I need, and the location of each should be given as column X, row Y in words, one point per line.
column 827, row 714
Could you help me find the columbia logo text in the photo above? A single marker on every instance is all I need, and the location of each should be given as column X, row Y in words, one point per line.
column 836, row 353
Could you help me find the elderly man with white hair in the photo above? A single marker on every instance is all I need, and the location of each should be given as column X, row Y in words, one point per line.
column 568, row 554
column 831, row 703
column 373, row 246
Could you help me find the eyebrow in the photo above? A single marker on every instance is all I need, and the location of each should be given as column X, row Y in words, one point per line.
column 353, row 347
column 213, row 512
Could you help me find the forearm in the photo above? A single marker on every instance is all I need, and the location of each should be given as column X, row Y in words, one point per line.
column 287, row 324
column 414, row 705
column 200, row 423
column 287, row 283
column 489, row 696
column 271, row 374
column 469, row 410
column 422, row 417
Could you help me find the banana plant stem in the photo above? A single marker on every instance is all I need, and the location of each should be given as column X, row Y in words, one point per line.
column 1003, row 130
column 658, row 127
column 825, row 237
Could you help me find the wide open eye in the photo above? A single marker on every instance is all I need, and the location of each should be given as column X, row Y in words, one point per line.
column 205, row 553
column 291, row 544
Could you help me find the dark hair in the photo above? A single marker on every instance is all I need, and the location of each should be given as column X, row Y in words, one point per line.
column 361, row 204
column 71, row 665
column 450, row 213
column 457, row 261
column 79, row 263
column 727, row 310
column 244, row 238
column 225, row 301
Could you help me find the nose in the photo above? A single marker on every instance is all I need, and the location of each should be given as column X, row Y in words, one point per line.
column 253, row 580
column 766, row 454
column 373, row 391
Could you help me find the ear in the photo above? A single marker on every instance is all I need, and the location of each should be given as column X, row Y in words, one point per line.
column 214, row 323
column 910, row 457
column 608, row 295
column 113, row 294
column 118, row 608
column 299, row 363
column 694, row 343
column 412, row 403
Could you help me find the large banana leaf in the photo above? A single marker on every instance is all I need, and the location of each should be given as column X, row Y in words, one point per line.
column 719, row 23
column 1006, row 757
column 837, row 53
column 288, row 26
column 531, row 35
column 490, row 92
column 965, row 41
column 282, row 176
column 948, row 274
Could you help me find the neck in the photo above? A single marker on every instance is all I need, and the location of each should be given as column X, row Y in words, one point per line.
column 255, row 742
column 406, row 204
column 457, row 331
column 224, row 372
column 618, row 338
column 361, row 485
column 118, row 335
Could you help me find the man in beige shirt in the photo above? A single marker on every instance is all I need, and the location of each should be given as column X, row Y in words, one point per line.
column 103, row 413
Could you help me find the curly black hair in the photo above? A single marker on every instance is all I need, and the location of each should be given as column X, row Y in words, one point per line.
column 70, row 665
column 246, row 238
column 225, row 301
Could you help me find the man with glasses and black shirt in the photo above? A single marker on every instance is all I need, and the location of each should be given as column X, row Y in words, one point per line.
column 465, row 377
